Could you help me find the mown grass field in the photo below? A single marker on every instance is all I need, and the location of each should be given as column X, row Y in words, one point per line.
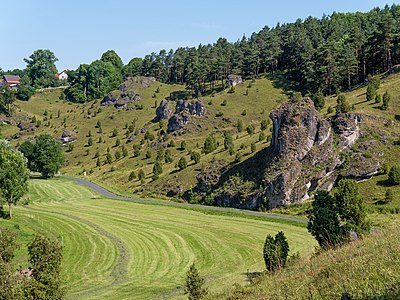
column 123, row 250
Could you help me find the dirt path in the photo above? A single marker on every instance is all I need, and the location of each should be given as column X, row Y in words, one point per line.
column 107, row 193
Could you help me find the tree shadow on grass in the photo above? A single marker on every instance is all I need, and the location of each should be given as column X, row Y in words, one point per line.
column 251, row 276
column 385, row 183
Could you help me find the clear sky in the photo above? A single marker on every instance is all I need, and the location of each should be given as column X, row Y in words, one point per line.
column 79, row 31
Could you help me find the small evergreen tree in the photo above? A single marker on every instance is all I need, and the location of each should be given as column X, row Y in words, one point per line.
column 125, row 152
column 319, row 100
column 195, row 156
column 228, row 140
column 385, row 101
column 182, row 163
column 141, row 176
column 324, row 223
column 157, row 168
column 194, row 285
column 342, row 105
column 250, row 129
column 371, row 92
column 168, row 156
column 210, row 144
column 239, row 125
column 253, row 147
column 264, row 125
column 276, row 251
column 183, row 145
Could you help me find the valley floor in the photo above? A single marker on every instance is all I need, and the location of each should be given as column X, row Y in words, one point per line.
column 125, row 250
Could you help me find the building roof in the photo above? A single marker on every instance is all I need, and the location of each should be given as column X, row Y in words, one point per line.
column 12, row 78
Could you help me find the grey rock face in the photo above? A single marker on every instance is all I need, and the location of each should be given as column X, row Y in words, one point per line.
column 302, row 143
column 125, row 94
column 234, row 79
column 165, row 110
column 181, row 115
column 177, row 122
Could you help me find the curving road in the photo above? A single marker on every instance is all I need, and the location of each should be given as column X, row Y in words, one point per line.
column 107, row 193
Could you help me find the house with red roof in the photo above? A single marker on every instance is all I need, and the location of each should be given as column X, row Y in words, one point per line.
column 11, row 80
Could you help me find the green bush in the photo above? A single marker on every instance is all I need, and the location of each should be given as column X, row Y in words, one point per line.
column 394, row 175
column 276, row 251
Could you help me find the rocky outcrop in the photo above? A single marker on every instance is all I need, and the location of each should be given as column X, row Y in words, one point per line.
column 179, row 113
column 165, row 110
column 305, row 155
column 67, row 137
column 234, row 80
column 126, row 93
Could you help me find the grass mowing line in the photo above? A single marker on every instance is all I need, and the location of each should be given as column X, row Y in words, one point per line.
column 119, row 271
column 76, row 248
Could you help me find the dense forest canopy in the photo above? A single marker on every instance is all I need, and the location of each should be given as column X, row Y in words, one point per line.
column 334, row 52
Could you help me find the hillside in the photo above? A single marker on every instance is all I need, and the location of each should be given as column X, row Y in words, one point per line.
column 365, row 269
column 223, row 111
column 251, row 103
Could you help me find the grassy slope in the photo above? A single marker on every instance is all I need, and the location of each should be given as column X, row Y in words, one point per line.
column 366, row 269
column 122, row 250
column 261, row 98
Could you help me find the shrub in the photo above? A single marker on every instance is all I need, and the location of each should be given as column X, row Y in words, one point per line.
column 250, row 129
column 195, row 156
column 132, row 175
column 394, row 175
column 182, row 163
column 210, row 144
column 276, row 251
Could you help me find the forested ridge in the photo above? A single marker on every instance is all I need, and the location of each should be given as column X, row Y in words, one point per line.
column 330, row 53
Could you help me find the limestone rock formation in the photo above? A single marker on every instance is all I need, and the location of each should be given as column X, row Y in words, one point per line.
column 179, row 113
column 125, row 94
column 305, row 156
column 234, row 80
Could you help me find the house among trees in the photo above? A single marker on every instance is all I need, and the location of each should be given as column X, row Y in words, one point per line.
column 62, row 75
column 11, row 80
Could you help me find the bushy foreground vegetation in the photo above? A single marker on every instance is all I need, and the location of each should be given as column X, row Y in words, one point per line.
column 364, row 269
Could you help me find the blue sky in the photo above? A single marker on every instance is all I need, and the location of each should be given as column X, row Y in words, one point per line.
column 80, row 31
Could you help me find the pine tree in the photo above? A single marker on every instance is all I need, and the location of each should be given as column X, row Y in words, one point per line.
column 194, row 285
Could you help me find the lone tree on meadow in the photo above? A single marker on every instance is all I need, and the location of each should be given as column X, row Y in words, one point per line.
column 194, row 285
column 14, row 175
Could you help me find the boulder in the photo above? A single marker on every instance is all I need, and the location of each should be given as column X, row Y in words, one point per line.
column 234, row 80
column 67, row 137
column 194, row 107
column 164, row 111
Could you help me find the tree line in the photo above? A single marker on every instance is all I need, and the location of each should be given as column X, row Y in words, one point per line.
column 328, row 54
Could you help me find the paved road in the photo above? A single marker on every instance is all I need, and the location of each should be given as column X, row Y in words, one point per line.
column 109, row 194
